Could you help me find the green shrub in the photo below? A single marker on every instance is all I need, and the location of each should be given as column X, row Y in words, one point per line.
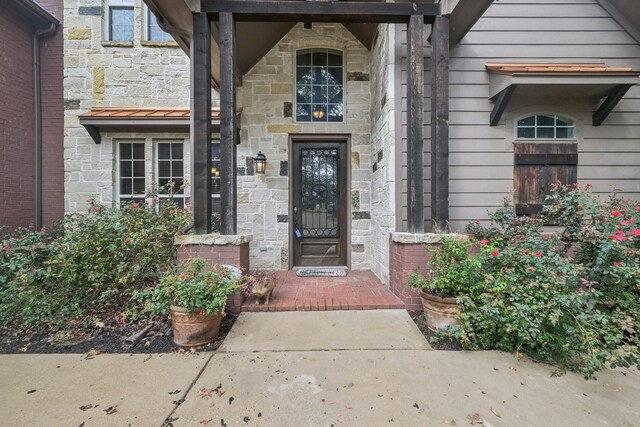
column 570, row 298
column 94, row 263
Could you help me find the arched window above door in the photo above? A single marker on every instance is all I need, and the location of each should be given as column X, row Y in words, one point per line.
column 319, row 85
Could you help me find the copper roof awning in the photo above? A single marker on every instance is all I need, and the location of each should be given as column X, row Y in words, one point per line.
column 537, row 80
column 133, row 119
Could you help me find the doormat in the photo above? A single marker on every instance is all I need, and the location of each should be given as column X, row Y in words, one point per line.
column 321, row 272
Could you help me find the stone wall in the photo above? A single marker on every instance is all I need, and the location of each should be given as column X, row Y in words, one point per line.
column 263, row 202
column 382, row 149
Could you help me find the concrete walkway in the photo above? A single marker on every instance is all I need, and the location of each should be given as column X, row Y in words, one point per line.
column 367, row 368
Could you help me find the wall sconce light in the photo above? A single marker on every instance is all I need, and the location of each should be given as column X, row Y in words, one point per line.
column 308, row 25
column 260, row 162
column 317, row 114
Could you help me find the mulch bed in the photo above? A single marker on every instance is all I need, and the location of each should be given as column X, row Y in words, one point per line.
column 438, row 343
column 96, row 336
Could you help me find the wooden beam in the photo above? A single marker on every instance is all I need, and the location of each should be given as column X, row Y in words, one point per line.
column 502, row 101
column 228, row 127
column 415, row 124
column 201, row 123
column 616, row 94
column 94, row 133
column 320, row 11
column 440, row 123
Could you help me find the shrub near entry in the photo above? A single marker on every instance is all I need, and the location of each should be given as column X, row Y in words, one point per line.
column 571, row 298
column 94, row 263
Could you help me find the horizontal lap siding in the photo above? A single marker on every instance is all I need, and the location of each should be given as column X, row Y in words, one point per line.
column 481, row 158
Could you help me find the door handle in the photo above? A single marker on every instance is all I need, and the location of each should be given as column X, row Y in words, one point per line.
column 295, row 211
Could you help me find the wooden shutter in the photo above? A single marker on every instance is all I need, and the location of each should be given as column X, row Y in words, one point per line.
column 537, row 168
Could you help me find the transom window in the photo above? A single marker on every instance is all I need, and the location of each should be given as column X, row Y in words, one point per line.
column 319, row 85
column 153, row 31
column 120, row 21
column 546, row 126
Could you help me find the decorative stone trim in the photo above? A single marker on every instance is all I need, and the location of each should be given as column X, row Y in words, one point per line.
column 212, row 239
column 113, row 43
column 427, row 238
column 149, row 43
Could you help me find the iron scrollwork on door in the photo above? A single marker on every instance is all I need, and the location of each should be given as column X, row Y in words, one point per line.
column 320, row 192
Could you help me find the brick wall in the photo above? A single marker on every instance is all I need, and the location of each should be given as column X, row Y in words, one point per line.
column 404, row 259
column 16, row 119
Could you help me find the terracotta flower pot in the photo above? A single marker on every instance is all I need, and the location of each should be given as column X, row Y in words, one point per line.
column 192, row 329
column 440, row 312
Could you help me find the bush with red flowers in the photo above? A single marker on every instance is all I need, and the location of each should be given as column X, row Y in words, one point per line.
column 571, row 297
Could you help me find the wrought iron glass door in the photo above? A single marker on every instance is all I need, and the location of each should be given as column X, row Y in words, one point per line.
column 319, row 229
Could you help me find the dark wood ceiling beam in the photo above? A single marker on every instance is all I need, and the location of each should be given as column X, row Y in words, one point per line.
column 320, row 11
column 616, row 94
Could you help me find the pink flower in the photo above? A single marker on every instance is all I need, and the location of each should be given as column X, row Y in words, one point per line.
column 43, row 230
column 618, row 264
column 527, row 251
column 5, row 248
column 484, row 242
column 616, row 213
column 538, row 254
column 135, row 205
column 588, row 185
column 635, row 232
column 495, row 253
column 126, row 240
column 94, row 209
column 627, row 221
column 638, row 208
column 619, row 236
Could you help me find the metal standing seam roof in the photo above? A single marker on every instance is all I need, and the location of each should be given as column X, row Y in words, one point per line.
column 142, row 113
column 558, row 69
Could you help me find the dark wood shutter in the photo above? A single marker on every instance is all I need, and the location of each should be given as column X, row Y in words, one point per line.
column 537, row 168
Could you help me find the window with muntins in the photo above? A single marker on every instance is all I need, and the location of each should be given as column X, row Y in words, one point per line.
column 153, row 31
column 120, row 20
column 546, row 126
column 170, row 172
column 131, row 172
column 319, row 85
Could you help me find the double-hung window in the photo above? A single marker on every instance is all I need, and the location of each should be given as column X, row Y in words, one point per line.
column 319, row 85
column 153, row 32
column 120, row 20
column 170, row 172
column 131, row 172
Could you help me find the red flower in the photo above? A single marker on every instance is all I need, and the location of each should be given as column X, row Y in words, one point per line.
column 616, row 213
column 94, row 209
column 135, row 205
column 484, row 242
column 126, row 240
column 588, row 185
column 635, row 232
column 627, row 221
column 618, row 264
column 619, row 236
column 527, row 251
column 43, row 230
column 638, row 208
column 5, row 248
column 538, row 254
column 495, row 252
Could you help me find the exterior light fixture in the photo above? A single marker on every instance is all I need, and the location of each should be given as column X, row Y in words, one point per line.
column 308, row 25
column 260, row 162
column 318, row 114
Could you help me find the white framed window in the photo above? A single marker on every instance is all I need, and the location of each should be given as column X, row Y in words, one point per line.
column 545, row 127
column 152, row 31
column 120, row 20
column 131, row 172
column 169, row 171
column 319, row 85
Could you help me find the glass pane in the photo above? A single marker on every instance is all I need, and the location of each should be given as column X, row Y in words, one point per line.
column 303, row 94
column 304, row 76
column 164, row 169
column 335, row 58
column 126, row 169
column 178, row 186
column 126, row 186
column 320, row 75
column 155, row 32
column 178, row 169
column 138, row 185
column 176, row 151
column 303, row 112
column 335, row 76
column 215, row 150
column 545, row 120
column 121, row 23
column 564, row 133
column 319, row 57
column 304, row 57
column 529, row 121
column 526, row 133
column 215, row 185
column 319, row 188
column 125, row 151
column 319, row 113
column 138, row 151
column 164, row 151
column 138, row 168
column 319, row 94
column 335, row 113
column 335, row 94
column 163, row 186
column 546, row 133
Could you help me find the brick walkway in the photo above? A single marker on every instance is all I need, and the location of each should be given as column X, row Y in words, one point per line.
column 360, row 290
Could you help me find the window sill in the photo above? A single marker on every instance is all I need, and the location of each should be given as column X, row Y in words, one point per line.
column 149, row 43
column 112, row 43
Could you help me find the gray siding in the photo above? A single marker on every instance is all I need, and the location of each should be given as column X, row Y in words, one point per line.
column 481, row 157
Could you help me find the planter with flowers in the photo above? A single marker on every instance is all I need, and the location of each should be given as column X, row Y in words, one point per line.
column 196, row 299
column 451, row 271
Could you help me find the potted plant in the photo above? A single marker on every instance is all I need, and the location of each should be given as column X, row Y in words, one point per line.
column 196, row 300
column 451, row 271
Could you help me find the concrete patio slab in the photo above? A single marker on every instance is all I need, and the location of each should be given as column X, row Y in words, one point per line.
column 403, row 388
column 328, row 330
column 50, row 389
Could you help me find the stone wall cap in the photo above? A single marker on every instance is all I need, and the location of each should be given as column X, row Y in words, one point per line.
column 212, row 239
column 410, row 238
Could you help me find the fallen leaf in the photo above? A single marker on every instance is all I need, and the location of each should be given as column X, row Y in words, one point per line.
column 86, row 407
column 31, row 391
column 206, row 421
column 475, row 418
column 92, row 353
column 205, row 392
column 25, row 348
column 100, row 324
column 111, row 410
column 175, row 392
column 495, row 412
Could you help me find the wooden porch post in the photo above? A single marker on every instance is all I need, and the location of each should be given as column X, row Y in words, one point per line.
column 415, row 123
column 201, row 123
column 228, row 129
column 440, row 123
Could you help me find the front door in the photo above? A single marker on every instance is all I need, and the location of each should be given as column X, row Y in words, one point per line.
column 319, row 211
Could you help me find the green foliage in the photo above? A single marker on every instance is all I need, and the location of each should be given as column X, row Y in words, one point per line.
column 451, row 270
column 193, row 289
column 94, row 263
column 570, row 298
